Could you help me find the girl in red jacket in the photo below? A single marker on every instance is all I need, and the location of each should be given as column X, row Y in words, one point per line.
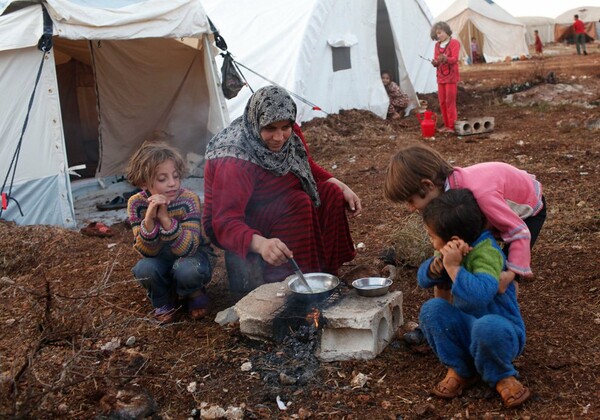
column 445, row 59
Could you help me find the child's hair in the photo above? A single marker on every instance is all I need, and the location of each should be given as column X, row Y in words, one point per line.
column 409, row 167
column 535, row 31
column 455, row 213
column 386, row 72
column 440, row 25
column 142, row 165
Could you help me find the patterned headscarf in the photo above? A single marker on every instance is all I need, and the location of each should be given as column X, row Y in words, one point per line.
column 242, row 139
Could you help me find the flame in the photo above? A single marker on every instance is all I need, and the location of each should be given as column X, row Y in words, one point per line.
column 314, row 317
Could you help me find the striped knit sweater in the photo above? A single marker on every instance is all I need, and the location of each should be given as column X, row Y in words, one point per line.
column 184, row 237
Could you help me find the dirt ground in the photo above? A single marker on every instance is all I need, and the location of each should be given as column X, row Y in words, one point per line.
column 75, row 329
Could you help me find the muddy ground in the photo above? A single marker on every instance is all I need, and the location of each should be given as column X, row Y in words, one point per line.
column 70, row 306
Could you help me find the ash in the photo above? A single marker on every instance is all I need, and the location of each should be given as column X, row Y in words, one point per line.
column 292, row 363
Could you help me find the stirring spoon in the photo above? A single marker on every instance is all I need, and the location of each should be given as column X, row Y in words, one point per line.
column 300, row 275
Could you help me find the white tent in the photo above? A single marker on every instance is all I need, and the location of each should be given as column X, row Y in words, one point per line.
column 115, row 74
column 497, row 32
column 589, row 15
column 544, row 26
column 329, row 52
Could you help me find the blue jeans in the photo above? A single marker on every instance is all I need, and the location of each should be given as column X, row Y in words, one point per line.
column 165, row 275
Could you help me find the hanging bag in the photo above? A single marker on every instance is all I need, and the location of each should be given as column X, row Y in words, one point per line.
column 231, row 80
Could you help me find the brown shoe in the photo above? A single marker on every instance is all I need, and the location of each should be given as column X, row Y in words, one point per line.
column 513, row 392
column 452, row 385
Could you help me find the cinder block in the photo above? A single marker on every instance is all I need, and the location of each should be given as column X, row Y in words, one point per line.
column 474, row 126
column 360, row 327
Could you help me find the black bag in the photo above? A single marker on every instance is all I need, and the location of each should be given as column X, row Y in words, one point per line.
column 231, row 81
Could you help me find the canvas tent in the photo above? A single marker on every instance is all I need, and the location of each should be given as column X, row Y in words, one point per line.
column 328, row 51
column 544, row 26
column 563, row 30
column 115, row 74
column 497, row 32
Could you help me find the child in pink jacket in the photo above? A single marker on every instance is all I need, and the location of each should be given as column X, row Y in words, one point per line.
column 510, row 199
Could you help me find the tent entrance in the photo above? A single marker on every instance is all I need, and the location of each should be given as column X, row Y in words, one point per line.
column 386, row 47
column 468, row 32
column 77, row 91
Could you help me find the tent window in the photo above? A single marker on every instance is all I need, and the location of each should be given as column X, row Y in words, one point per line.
column 341, row 58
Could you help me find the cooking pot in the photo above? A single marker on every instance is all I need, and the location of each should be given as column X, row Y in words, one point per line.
column 322, row 285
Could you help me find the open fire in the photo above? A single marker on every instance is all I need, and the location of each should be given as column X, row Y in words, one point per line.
column 313, row 317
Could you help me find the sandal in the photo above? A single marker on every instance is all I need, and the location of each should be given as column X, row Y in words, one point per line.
column 165, row 314
column 116, row 203
column 452, row 385
column 512, row 391
column 198, row 305
column 98, row 229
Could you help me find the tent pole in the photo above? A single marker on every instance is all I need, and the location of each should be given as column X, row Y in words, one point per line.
column 469, row 41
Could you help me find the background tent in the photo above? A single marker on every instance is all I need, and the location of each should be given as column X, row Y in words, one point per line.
column 563, row 30
column 544, row 25
column 115, row 75
column 328, row 51
column 497, row 32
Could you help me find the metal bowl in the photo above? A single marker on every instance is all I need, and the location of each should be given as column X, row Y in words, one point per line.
column 322, row 285
column 372, row 286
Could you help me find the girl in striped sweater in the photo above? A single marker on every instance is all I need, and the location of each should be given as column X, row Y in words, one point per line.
column 165, row 219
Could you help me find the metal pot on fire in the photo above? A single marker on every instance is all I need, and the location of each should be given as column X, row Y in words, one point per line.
column 322, row 286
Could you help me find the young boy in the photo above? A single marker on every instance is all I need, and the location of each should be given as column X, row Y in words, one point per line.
column 481, row 331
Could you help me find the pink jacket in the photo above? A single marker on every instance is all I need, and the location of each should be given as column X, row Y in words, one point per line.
column 506, row 196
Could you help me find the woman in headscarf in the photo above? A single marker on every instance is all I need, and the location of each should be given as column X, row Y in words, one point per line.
column 264, row 195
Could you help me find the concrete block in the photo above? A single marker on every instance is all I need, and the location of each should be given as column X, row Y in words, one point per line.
column 474, row 126
column 256, row 309
column 360, row 327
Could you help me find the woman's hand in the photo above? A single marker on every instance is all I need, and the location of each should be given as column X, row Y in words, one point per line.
column 352, row 200
column 272, row 250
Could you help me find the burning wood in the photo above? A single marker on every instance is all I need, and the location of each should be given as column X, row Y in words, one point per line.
column 314, row 317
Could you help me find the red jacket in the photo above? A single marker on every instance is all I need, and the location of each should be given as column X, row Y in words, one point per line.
column 448, row 72
column 579, row 27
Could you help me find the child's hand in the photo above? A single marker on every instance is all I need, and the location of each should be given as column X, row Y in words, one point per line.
column 436, row 268
column 452, row 254
column 442, row 58
column 157, row 209
column 435, row 63
column 506, row 278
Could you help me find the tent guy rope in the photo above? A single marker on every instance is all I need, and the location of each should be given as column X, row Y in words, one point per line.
column 44, row 45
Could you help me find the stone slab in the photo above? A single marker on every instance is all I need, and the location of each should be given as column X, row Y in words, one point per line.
column 256, row 309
